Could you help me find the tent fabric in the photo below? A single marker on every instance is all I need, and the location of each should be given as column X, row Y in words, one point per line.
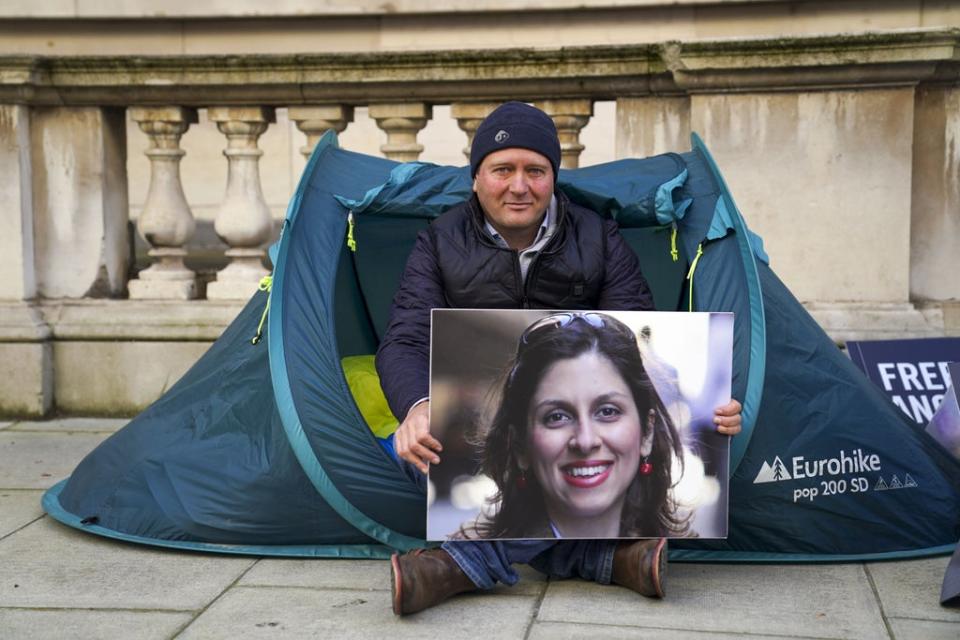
column 261, row 448
column 204, row 466
column 817, row 406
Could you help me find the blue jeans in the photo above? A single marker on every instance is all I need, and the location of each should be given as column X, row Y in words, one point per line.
column 490, row 561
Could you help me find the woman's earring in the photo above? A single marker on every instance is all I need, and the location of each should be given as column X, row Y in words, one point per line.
column 521, row 481
column 646, row 467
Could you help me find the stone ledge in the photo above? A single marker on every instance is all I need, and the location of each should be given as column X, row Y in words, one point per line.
column 153, row 320
column 130, row 375
column 22, row 322
column 845, row 321
column 860, row 60
column 840, row 60
column 205, row 320
column 902, row 45
column 174, row 9
column 138, row 349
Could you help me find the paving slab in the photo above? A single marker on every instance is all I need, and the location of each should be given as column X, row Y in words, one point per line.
column 904, row 629
column 96, row 425
column 569, row 631
column 51, row 565
column 285, row 612
column 18, row 508
column 30, row 460
column 69, row 624
column 911, row 588
column 819, row 601
column 373, row 575
column 4, row 425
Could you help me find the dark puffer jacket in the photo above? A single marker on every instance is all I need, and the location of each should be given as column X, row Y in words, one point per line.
column 456, row 264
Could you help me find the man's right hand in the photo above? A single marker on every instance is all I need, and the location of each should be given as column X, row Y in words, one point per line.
column 413, row 440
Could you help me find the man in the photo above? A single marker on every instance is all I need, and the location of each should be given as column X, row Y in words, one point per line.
column 518, row 243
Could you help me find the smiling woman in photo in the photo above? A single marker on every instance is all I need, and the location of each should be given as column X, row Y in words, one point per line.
column 580, row 446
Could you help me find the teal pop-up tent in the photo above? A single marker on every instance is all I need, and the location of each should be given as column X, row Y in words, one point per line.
column 261, row 448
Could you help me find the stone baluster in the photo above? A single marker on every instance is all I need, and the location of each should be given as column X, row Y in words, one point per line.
column 166, row 221
column 243, row 220
column 314, row 121
column 469, row 115
column 402, row 121
column 570, row 116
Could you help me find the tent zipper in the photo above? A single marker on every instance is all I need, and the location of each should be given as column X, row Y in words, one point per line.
column 693, row 268
column 351, row 241
column 673, row 242
column 266, row 284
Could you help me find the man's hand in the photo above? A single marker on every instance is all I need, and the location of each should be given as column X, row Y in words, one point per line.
column 413, row 440
column 727, row 418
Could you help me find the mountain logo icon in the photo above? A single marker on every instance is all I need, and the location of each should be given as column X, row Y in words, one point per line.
column 774, row 472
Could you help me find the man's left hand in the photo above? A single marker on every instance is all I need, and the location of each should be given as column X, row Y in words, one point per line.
column 727, row 418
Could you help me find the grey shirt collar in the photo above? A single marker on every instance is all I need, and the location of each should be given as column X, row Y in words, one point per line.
column 547, row 228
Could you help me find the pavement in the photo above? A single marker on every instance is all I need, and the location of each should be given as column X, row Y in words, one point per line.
column 56, row 582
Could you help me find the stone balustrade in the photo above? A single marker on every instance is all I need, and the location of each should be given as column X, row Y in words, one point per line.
column 166, row 221
column 850, row 139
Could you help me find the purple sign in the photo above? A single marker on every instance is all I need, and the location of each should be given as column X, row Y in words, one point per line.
column 945, row 425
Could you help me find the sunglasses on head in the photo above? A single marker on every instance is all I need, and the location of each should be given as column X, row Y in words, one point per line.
column 561, row 320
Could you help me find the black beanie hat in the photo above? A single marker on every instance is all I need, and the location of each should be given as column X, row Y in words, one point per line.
column 516, row 124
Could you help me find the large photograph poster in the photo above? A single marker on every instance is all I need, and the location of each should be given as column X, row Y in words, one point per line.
column 578, row 424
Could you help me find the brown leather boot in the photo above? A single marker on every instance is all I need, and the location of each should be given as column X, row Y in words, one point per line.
column 423, row 578
column 641, row 566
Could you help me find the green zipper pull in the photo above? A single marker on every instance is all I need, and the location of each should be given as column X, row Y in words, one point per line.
column 351, row 241
column 266, row 284
column 673, row 242
column 693, row 267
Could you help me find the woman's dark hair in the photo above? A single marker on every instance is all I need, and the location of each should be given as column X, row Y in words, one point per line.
column 649, row 509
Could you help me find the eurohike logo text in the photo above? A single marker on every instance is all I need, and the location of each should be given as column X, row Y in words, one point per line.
column 845, row 464
column 856, row 462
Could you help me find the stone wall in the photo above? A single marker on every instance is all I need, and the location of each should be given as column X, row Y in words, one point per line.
column 838, row 148
column 183, row 27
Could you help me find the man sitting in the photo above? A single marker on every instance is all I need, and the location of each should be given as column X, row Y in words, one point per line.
column 518, row 243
